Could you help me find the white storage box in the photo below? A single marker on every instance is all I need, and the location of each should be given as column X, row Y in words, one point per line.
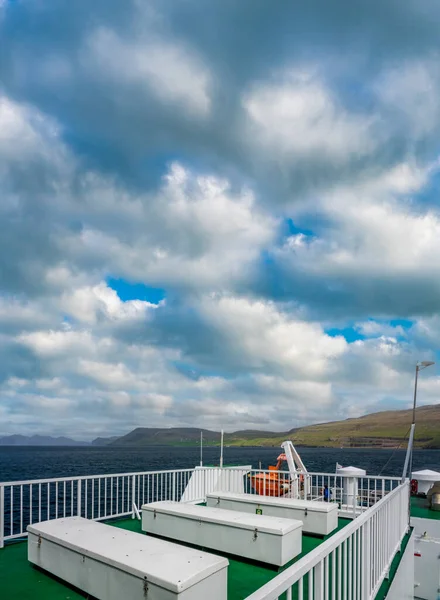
column 268, row 539
column 111, row 563
column 317, row 517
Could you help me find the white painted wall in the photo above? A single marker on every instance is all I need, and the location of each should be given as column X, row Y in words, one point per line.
column 427, row 566
column 402, row 586
column 205, row 480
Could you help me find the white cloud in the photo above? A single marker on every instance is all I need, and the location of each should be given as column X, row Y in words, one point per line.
column 374, row 230
column 411, row 90
column 57, row 343
column 21, row 130
column 299, row 115
column 259, row 336
column 88, row 304
column 108, row 375
column 373, row 328
column 195, row 232
column 169, row 70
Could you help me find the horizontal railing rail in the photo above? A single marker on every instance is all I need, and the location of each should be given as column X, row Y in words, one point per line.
column 353, row 563
column 83, row 477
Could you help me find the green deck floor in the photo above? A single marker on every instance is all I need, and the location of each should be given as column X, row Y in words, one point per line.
column 20, row 581
column 420, row 508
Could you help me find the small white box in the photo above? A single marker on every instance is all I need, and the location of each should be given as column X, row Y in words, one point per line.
column 317, row 517
column 111, row 563
column 267, row 539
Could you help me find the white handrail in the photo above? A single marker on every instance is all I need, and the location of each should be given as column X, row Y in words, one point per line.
column 383, row 524
column 76, row 477
column 97, row 497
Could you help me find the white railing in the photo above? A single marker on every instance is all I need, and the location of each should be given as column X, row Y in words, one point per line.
column 367, row 490
column 101, row 497
column 353, row 495
column 353, row 563
column 95, row 497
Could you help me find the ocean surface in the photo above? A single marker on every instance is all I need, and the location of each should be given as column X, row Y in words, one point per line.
column 21, row 463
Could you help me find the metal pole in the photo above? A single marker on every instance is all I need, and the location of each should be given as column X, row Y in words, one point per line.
column 78, row 499
column 415, row 395
column 201, row 449
column 408, row 457
column 133, row 496
column 414, row 420
column 2, row 516
column 221, row 451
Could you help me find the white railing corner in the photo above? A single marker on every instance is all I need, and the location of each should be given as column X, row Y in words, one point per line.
column 376, row 534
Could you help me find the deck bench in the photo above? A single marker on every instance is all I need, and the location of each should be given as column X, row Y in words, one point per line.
column 266, row 539
column 111, row 563
column 317, row 517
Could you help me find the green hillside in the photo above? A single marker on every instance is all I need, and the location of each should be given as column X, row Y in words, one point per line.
column 186, row 436
column 379, row 430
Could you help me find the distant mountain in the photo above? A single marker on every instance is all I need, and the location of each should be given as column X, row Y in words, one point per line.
column 173, row 436
column 379, row 430
column 38, row 440
column 101, row 441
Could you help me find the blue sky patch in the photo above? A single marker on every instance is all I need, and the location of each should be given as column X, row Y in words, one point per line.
column 349, row 333
column 136, row 291
column 404, row 323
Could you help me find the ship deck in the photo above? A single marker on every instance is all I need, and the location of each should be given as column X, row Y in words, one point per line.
column 21, row 581
column 420, row 509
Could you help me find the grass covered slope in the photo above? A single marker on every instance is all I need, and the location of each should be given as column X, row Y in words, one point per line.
column 381, row 430
column 378, row 429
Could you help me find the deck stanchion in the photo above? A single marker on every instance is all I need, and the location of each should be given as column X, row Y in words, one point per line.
column 133, row 496
column 78, row 500
column 2, row 515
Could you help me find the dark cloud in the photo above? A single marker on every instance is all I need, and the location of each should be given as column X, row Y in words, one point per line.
column 119, row 125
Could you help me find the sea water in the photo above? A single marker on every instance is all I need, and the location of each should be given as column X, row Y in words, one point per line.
column 22, row 463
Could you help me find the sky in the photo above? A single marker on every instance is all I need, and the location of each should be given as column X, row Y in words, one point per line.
column 220, row 215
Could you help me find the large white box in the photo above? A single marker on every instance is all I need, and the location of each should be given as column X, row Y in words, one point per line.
column 267, row 539
column 317, row 517
column 112, row 564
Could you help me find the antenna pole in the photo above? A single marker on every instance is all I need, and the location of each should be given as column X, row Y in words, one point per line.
column 409, row 450
column 221, row 451
column 201, row 449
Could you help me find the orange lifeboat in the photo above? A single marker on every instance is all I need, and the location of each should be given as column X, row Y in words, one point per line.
column 272, row 484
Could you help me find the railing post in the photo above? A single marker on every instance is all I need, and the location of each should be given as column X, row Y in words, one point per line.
column 133, row 496
column 78, row 499
column 2, row 515
column 366, row 566
column 355, row 487
column 319, row 580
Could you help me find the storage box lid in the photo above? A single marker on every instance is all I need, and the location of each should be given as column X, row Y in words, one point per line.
column 310, row 505
column 426, row 475
column 221, row 516
column 165, row 564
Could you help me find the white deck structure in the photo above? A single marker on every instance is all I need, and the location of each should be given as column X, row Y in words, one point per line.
column 110, row 563
column 317, row 517
column 266, row 539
